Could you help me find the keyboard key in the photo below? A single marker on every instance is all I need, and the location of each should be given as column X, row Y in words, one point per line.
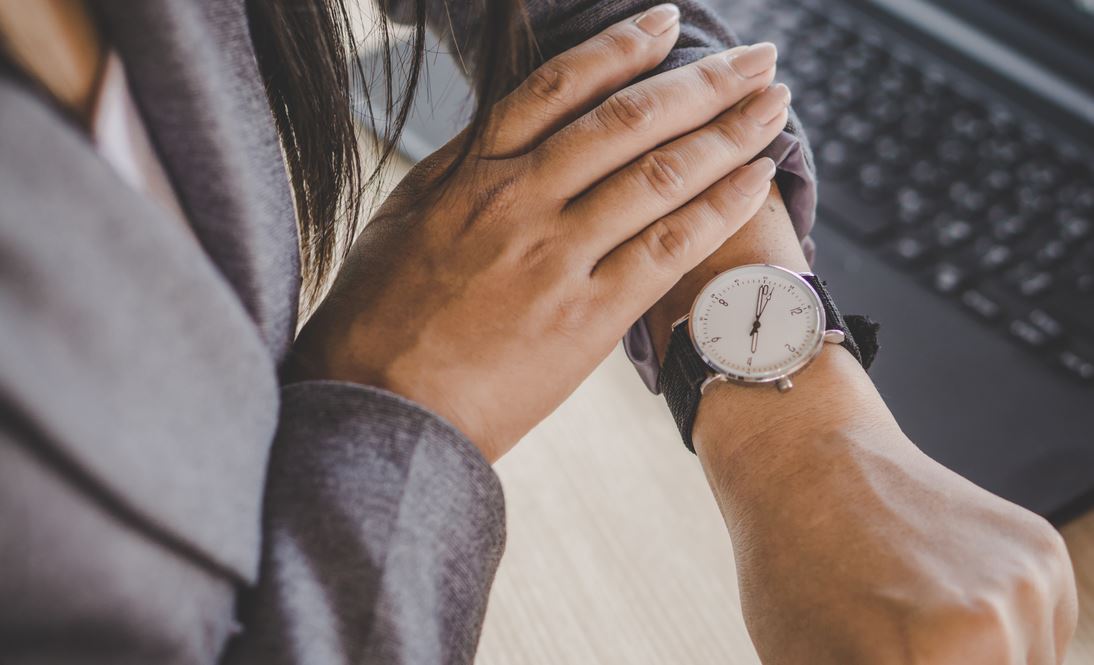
column 1078, row 366
column 999, row 180
column 969, row 125
column 909, row 250
column 948, row 278
column 1039, row 174
column 1009, row 227
column 875, row 183
column 1074, row 228
column 954, row 152
column 912, row 207
column 1047, row 324
column 1001, row 151
column 890, row 150
column 1028, row 333
column 993, row 256
column 927, row 174
column 855, row 129
column 953, row 233
column 968, row 197
column 834, row 158
column 984, row 307
column 1034, row 284
column 1051, row 253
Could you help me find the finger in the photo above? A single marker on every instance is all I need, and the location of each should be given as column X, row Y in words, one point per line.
column 666, row 178
column 643, row 269
column 641, row 117
column 1066, row 613
column 573, row 82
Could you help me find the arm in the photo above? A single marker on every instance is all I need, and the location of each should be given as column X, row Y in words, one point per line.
column 852, row 545
column 383, row 527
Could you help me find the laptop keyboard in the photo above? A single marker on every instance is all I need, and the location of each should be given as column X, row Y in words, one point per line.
column 973, row 201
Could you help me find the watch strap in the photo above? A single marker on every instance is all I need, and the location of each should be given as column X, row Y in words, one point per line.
column 835, row 321
column 681, row 380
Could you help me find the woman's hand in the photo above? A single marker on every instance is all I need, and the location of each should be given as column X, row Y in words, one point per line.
column 491, row 300
column 852, row 546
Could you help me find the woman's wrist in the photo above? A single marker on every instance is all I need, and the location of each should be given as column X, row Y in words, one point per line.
column 769, row 237
column 739, row 429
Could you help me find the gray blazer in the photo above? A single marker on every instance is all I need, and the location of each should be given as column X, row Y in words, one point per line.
column 162, row 498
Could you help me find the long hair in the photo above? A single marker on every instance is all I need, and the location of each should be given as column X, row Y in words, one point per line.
column 306, row 51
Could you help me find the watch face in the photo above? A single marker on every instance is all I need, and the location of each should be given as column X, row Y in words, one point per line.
column 758, row 323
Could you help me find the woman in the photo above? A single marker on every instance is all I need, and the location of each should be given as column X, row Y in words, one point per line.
column 167, row 444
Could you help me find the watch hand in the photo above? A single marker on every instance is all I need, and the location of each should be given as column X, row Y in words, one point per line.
column 759, row 301
column 766, row 293
column 755, row 339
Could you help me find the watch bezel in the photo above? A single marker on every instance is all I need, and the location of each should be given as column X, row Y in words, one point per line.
column 784, row 373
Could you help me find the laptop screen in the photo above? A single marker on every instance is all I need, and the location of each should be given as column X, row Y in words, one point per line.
column 1057, row 33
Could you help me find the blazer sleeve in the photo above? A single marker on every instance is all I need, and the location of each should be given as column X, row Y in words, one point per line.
column 383, row 528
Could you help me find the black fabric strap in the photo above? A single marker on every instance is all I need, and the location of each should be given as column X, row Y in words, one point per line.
column 681, row 380
column 684, row 371
column 833, row 319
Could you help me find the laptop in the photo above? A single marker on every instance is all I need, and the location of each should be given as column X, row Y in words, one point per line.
column 954, row 142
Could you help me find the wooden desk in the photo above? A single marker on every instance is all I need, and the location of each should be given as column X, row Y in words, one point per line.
column 617, row 553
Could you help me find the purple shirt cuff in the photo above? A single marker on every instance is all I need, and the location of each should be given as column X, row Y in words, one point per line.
column 799, row 190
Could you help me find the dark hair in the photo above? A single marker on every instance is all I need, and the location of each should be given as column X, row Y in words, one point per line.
column 306, row 51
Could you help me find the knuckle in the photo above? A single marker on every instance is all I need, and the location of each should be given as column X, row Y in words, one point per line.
column 537, row 252
column 627, row 109
column 980, row 619
column 667, row 242
column 662, row 172
column 493, row 201
column 552, row 83
column 1052, row 541
column 1031, row 590
column 713, row 78
column 619, row 43
column 729, row 133
column 721, row 206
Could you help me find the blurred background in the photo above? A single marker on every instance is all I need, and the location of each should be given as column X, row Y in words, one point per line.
column 953, row 146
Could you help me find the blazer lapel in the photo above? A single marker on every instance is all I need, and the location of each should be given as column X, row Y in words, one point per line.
column 194, row 75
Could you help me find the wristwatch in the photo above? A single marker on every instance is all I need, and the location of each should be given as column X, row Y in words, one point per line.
column 755, row 325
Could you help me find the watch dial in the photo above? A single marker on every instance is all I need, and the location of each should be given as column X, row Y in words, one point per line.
column 758, row 323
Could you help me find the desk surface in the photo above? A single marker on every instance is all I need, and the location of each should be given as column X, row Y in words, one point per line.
column 617, row 553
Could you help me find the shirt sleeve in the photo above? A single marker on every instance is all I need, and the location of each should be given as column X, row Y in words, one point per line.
column 383, row 528
column 562, row 24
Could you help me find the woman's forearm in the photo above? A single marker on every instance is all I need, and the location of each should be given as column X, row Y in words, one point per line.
column 852, row 545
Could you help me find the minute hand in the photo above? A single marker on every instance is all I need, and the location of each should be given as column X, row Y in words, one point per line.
column 765, row 297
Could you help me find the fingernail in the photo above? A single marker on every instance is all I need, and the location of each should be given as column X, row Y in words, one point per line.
column 754, row 60
column 766, row 106
column 754, row 178
column 657, row 20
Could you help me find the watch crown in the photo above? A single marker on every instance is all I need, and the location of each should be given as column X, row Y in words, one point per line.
column 784, row 384
column 834, row 336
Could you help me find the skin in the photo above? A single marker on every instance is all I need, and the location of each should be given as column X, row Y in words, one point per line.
column 58, row 43
column 492, row 300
